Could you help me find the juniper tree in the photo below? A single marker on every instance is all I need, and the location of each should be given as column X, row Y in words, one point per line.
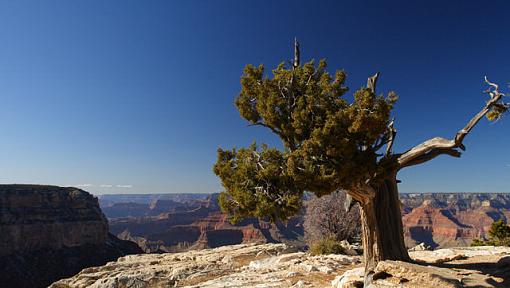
column 329, row 143
column 499, row 235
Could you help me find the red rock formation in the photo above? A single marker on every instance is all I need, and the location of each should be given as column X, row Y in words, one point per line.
column 438, row 219
column 446, row 220
column 434, row 226
column 202, row 227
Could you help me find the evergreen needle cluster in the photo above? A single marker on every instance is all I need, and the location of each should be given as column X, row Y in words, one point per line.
column 329, row 142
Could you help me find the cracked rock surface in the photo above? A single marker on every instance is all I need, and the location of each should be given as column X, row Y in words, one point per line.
column 484, row 266
column 245, row 265
column 278, row 265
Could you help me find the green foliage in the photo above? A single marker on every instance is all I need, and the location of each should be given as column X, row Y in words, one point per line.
column 256, row 183
column 478, row 242
column 329, row 143
column 497, row 111
column 499, row 235
column 326, row 246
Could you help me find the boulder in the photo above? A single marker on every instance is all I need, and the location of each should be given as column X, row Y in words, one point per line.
column 350, row 278
column 350, row 249
column 421, row 247
column 474, row 267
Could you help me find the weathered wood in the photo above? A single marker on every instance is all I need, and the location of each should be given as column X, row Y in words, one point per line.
column 297, row 53
column 391, row 139
column 381, row 221
column 438, row 146
column 372, row 81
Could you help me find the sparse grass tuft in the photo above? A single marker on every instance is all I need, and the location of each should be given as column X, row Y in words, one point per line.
column 326, row 246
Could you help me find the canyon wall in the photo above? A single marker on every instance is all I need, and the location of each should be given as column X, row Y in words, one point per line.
column 172, row 223
column 451, row 219
column 50, row 232
column 37, row 217
column 177, row 222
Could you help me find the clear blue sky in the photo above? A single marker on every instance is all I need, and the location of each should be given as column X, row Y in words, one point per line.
column 136, row 96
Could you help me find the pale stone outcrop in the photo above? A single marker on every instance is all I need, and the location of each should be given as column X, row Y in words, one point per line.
column 450, row 254
column 277, row 265
column 244, row 265
column 484, row 266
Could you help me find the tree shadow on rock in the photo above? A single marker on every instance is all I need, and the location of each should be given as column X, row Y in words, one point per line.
column 501, row 270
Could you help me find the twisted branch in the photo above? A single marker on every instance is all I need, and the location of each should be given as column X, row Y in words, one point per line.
column 434, row 147
column 391, row 138
column 372, row 81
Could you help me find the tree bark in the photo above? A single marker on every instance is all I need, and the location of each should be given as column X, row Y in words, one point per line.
column 381, row 221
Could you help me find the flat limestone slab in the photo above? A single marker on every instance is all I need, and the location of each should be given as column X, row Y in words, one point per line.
column 484, row 266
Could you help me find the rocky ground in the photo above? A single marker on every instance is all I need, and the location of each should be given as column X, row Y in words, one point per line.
column 484, row 266
column 278, row 265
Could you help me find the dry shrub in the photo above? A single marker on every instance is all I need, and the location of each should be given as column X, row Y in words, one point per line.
column 326, row 221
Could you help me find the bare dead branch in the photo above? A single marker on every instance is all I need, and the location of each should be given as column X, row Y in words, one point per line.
column 296, row 54
column 438, row 146
column 431, row 155
column 267, row 126
column 372, row 81
column 391, row 138
column 387, row 139
column 383, row 140
column 289, row 142
column 495, row 98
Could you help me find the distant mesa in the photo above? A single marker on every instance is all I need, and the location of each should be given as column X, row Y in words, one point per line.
column 451, row 219
column 179, row 222
column 50, row 232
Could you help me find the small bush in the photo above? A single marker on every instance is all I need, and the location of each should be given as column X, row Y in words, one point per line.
column 499, row 235
column 326, row 246
column 325, row 218
column 478, row 242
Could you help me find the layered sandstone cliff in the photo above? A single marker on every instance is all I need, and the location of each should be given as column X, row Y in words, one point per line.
column 451, row 219
column 34, row 217
column 200, row 225
column 50, row 232
column 177, row 222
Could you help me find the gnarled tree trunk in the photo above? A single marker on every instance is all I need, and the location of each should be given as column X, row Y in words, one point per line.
column 381, row 220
